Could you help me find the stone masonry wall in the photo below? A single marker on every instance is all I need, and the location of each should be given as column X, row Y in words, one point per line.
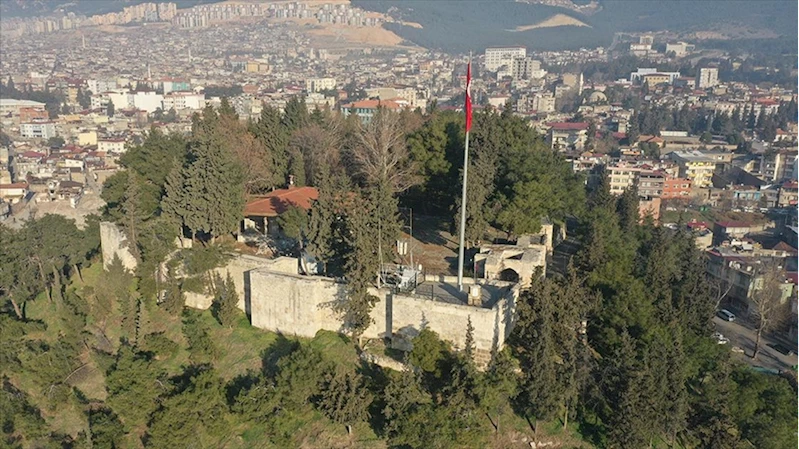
column 301, row 305
column 114, row 243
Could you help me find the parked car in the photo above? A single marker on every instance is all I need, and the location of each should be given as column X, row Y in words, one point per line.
column 726, row 315
column 720, row 338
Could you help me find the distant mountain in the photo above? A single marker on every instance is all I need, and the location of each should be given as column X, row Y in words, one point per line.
column 458, row 26
column 32, row 8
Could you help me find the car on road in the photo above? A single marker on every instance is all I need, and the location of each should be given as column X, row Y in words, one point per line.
column 726, row 315
column 720, row 338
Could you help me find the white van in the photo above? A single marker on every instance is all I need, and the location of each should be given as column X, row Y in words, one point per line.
column 726, row 315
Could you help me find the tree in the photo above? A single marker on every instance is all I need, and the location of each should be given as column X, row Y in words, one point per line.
column 768, row 298
column 344, row 398
column 110, row 110
column 403, row 397
column 194, row 410
column 226, row 302
column 132, row 385
column 294, row 223
column 208, row 194
column 202, row 348
column 106, row 430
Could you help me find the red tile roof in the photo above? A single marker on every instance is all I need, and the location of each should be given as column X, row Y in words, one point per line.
column 276, row 202
column 16, row 185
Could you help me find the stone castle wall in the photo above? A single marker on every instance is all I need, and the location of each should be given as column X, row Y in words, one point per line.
column 114, row 243
column 278, row 299
column 302, row 305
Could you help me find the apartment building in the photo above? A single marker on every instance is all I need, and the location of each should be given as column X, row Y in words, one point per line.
column 676, row 188
column 621, row 177
column 37, row 130
column 183, row 100
column 650, row 183
column 694, row 165
column 110, row 145
column 319, row 84
column 496, row 57
column 707, row 77
column 566, row 135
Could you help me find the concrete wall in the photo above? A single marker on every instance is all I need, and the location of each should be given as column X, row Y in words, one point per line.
column 114, row 243
column 302, row 305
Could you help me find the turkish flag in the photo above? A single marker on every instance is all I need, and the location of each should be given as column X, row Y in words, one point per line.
column 468, row 106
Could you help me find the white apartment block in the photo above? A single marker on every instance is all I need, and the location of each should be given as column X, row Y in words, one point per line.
column 183, row 100
column 41, row 130
column 543, row 102
column 111, row 145
column 707, row 77
column 319, row 84
column 496, row 57
column 146, row 101
column 100, row 86
column 621, row 177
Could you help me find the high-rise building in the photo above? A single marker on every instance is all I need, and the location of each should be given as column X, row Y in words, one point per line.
column 496, row 57
column 707, row 77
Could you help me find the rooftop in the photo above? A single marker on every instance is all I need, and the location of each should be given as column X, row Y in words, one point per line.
column 276, row 202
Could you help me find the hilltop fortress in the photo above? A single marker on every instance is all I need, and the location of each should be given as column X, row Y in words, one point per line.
column 276, row 297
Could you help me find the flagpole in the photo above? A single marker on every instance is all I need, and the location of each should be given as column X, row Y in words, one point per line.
column 463, row 195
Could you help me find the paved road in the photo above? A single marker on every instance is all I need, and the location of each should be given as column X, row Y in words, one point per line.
column 743, row 335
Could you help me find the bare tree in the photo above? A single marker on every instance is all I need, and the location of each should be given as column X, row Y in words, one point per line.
column 767, row 297
column 381, row 155
column 320, row 146
column 720, row 288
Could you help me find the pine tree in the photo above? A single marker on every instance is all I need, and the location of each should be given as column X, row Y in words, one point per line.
column 344, row 398
column 627, row 209
column 225, row 304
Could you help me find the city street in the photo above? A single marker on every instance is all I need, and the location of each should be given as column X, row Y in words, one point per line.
column 743, row 335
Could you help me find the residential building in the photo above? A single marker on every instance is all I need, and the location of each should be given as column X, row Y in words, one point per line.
column 14, row 193
column 496, row 57
column 366, row 109
column 543, row 103
column 676, row 188
column 743, row 273
column 621, row 177
column 109, row 145
column 146, row 101
column 183, row 100
column 649, row 207
column 567, row 135
column 526, row 68
column 777, row 166
column 319, row 84
column 650, row 183
column 707, row 77
column 724, row 230
column 694, row 165
column 788, row 194
column 37, row 130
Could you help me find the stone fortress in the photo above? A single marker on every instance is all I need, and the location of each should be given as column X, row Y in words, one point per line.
column 276, row 297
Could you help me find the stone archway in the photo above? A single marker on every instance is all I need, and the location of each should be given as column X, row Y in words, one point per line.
column 509, row 274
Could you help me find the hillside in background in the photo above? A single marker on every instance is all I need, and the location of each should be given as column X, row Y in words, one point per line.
column 31, row 8
column 458, row 27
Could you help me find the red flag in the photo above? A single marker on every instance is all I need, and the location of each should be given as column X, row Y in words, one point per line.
column 468, row 106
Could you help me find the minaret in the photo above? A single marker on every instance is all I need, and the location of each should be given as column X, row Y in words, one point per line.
column 149, row 73
column 189, row 54
column 83, row 40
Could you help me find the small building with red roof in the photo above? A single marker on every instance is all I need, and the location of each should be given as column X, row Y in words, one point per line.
column 260, row 212
column 567, row 135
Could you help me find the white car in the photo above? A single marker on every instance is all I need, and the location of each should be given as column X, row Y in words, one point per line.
column 720, row 339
